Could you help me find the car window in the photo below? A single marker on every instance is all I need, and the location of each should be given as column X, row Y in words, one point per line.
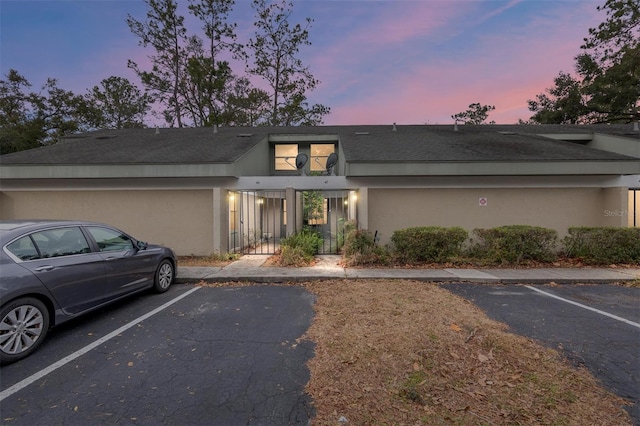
column 24, row 249
column 60, row 242
column 110, row 240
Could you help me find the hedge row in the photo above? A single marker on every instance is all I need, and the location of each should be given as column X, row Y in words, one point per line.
column 604, row 245
column 428, row 244
column 513, row 244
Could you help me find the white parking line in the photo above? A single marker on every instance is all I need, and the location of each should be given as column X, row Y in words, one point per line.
column 40, row 374
column 606, row 314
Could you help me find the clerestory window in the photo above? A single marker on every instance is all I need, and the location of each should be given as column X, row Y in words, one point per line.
column 319, row 155
column 285, row 157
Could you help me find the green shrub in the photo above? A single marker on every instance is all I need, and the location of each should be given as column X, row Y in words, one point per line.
column 428, row 243
column 360, row 248
column 294, row 256
column 603, row 245
column 308, row 241
column 344, row 228
column 515, row 244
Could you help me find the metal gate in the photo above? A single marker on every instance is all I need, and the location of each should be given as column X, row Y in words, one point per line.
column 325, row 212
column 258, row 219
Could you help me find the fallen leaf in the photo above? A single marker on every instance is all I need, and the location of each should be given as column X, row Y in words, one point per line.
column 130, row 363
column 483, row 358
column 456, row 327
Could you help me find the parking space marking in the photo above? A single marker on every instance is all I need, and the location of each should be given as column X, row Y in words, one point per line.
column 42, row 373
column 606, row 314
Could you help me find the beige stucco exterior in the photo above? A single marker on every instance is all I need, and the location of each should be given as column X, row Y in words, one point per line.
column 183, row 220
column 197, row 221
column 187, row 206
column 556, row 208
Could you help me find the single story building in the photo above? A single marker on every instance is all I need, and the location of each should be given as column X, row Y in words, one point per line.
column 207, row 190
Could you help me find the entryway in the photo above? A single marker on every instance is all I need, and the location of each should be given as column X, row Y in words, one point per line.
column 258, row 219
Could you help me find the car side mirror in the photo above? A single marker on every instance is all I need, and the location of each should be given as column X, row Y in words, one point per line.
column 141, row 245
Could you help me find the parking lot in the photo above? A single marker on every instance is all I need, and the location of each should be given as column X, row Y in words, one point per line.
column 595, row 326
column 216, row 356
column 231, row 355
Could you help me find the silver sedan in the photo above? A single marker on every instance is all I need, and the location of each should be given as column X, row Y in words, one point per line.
column 53, row 271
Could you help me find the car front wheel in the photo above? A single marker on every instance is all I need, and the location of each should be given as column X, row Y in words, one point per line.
column 164, row 276
column 23, row 325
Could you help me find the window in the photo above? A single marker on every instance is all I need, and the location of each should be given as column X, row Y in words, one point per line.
column 110, row 240
column 285, row 157
column 319, row 155
column 60, row 242
column 24, row 249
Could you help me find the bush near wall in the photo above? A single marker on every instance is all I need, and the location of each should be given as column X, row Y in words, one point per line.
column 428, row 243
column 300, row 248
column 515, row 244
column 603, row 245
column 360, row 248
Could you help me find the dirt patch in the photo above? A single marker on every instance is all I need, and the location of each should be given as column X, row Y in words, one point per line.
column 404, row 352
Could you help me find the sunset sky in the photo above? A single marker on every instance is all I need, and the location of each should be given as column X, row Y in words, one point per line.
column 379, row 62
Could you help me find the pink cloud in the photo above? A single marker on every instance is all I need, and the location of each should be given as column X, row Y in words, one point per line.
column 504, row 70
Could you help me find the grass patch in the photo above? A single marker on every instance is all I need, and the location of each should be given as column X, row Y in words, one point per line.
column 404, row 352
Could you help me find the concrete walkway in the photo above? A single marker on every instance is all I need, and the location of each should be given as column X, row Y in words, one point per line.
column 251, row 268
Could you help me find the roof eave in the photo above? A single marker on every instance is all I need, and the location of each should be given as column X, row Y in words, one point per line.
column 493, row 168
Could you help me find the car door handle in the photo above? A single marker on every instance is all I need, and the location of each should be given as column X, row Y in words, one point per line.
column 44, row 268
column 110, row 258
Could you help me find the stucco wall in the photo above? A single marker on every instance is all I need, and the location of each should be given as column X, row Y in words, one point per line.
column 556, row 208
column 182, row 220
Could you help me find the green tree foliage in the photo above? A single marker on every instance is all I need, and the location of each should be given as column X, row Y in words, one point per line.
column 313, row 206
column 192, row 77
column 562, row 104
column 31, row 119
column 246, row 105
column 476, row 114
column 117, row 104
column 163, row 30
column 274, row 49
column 610, row 67
column 607, row 88
column 209, row 80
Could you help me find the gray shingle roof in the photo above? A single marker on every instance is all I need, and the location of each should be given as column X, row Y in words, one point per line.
column 145, row 146
column 359, row 144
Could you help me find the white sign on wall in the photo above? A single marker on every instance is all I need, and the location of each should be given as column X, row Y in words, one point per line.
column 483, row 201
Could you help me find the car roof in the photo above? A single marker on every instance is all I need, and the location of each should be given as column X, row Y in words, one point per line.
column 10, row 229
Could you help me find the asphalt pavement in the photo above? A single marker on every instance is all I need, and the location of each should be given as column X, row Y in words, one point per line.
column 232, row 355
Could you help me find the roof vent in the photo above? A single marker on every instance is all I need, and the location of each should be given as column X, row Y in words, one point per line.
column 455, row 126
column 106, row 137
column 361, row 133
column 157, row 130
column 394, row 128
column 507, row 132
column 244, row 135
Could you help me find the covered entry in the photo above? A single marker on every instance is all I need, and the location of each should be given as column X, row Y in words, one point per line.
column 258, row 219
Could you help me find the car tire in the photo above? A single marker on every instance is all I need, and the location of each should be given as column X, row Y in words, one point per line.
column 164, row 277
column 24, row 323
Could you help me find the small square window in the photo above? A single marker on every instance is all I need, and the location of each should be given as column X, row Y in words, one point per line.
column 319, row 155
column 285, row 156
